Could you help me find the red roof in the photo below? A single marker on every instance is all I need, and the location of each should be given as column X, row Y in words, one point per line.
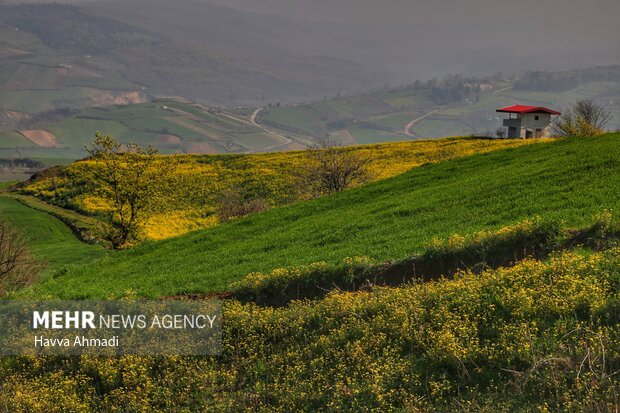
column 527, row 109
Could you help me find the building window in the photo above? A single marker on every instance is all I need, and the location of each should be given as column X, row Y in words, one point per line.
column 536, row 117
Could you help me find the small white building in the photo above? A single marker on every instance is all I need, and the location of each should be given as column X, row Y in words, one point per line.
column 528, row 121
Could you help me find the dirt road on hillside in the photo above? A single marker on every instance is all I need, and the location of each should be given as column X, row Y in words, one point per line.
column 269, row 132
column 410, row 125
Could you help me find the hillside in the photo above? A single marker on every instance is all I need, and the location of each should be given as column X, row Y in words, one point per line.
column 541, row 336
column 40, row 83
column 57, row 55
column 454, row 106
column 528, row 324
column 51, row 242
column 276, row 206
column 568, row 180
column 56, row 60
column 192, row 189
column 171, row 126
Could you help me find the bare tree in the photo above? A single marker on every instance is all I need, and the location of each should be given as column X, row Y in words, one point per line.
column 500, row 132
column 584, row 118
column 17, row 269
column 332, row 168
column 125, row 177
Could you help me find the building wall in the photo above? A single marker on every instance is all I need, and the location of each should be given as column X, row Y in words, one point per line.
column 514, row 127
column 528, row 121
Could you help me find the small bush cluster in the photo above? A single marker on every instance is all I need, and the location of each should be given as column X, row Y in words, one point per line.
column 585, row 117
column 236, row 203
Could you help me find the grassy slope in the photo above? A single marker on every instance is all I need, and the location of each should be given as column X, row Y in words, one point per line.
column 51, row 240
column 85, row 225
column 197, row 181
column 143, row 123
column 568, row 179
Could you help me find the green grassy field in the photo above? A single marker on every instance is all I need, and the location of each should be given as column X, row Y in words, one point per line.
column 568, row 180
column 366, row 135
column 13, row 140
column 457, row 345
column 429, row 127
column 389, row 110
column 408, row 99
column 51, row 241
column 397, row 120
column 34, row 83
column 300, row 117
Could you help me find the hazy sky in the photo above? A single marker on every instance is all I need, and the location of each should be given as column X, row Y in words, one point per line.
column 522, row 33
column 424, row 38
column 532, row 25
column 446, row 11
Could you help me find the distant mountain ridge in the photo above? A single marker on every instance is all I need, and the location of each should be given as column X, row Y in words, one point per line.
column 206, row 53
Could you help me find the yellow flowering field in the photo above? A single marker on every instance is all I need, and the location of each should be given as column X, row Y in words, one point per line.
column 540, row 336
column 188, row 197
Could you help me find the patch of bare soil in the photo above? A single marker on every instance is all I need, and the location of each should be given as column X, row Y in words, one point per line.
column 199, row 147
column 17, row 116
column 80, row 71
column 168, row 140
column 60, row 79
column 9, row 52
column 120, row 98
column 41, row 137
column 346, row 137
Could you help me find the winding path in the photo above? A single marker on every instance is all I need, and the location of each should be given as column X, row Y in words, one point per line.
column 502, row 89
column 269, row 131
column 410, row 125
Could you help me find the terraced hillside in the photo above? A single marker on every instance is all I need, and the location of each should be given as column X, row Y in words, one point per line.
column 171, row 126
column 35, row 78
column 568, row 180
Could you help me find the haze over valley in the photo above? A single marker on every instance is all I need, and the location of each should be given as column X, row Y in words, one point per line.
column 252, row 76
